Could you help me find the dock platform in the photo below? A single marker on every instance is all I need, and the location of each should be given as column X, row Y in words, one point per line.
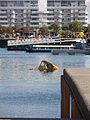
column 75, row 93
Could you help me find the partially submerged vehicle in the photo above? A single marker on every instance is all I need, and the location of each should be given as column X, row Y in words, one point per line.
column 47, row 66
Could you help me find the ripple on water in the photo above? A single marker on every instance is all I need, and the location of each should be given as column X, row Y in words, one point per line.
column 26, row 92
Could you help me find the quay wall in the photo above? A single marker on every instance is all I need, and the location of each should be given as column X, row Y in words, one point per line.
column 75, row 93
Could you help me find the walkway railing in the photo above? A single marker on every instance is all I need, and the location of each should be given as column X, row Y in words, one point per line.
column 29, row 41
column 41, row 41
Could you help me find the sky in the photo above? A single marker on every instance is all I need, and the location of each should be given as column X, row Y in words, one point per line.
column 42, row 5
column 88, row 9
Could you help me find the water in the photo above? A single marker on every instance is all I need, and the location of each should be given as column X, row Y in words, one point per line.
column 30, row 93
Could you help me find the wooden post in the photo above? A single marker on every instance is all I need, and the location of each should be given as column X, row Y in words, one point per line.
column 65, row 99
column 74, row 111
column 62, row 97
column 65, row 102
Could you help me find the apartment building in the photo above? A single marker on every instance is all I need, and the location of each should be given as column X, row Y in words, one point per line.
column 66, row 11
column 34, row 13
column 19, row 13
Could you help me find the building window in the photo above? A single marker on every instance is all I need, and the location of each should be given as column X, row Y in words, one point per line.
column 3, row 3
column 34, row 19
column 18, row 3
column 81, row 3
column 50, row 3
column 65, row 3
column 3, row 18
column 34, row 2
column 50, row 18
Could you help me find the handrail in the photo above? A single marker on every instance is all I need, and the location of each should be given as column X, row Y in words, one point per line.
column 39, row 41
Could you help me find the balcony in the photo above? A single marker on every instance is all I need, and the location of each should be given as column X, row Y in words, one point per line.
column 19, row 7
column 3, row 21
column 35, row 12
column 34, row 25
column 12, row 21
column 3, row 16
column 34, row 21
column 34, row 16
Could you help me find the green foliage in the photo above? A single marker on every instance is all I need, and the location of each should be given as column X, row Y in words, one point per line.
column 88, row 30
column 55, row 27
column 76, row 26
column 9, row 30
column 27, row 28
column 17, row 28
column 4, row 29
column 32, row 28
column 65, row 27
column 43, row 30
column 65, row 33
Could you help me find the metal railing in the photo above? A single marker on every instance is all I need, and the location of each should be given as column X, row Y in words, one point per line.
column 29, row 41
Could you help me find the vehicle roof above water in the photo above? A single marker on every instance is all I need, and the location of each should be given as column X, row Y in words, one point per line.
column 46, row 62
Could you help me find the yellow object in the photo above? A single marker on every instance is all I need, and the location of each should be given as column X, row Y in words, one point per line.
column 78, row 34
column 81, row 34
column 60, row 41
column 55, row 67
column 47, row 66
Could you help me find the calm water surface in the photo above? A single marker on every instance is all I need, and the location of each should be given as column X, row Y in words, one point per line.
column 30, row 93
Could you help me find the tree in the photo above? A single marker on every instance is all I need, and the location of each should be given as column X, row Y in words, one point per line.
column 4, row 29
column 76, row 26
column 17, row 28
column 9, row 30
column 65, row 27
column 65, row 33
column 55, row 27
column 88, row 30
column 32, row 28
column 27, row 28
column 43, row 30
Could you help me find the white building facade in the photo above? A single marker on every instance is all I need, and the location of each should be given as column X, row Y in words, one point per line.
column 66, row 11
column 28, row 13
column 19, row 13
